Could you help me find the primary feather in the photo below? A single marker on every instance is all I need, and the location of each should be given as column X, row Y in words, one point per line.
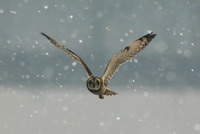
column 125, row 55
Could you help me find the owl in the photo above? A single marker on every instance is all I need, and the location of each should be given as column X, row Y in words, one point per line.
column 98, row 85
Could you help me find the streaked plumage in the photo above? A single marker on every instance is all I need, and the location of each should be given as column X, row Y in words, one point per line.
column 98, row 85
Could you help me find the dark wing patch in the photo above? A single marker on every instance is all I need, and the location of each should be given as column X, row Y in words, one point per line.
column 127, row 48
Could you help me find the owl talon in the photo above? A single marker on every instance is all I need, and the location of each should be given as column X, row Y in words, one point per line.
column 101, row 97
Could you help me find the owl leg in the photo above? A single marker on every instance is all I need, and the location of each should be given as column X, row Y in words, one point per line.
column 101, row 96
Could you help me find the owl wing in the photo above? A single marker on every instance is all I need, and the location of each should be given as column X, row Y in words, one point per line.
column 125, row 55
column 72, row 54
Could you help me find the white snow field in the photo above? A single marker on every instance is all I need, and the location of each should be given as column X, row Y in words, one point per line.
column 77, row 111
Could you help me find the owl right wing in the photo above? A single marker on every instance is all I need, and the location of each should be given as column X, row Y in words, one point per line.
column 125, row 55
column 72, row 54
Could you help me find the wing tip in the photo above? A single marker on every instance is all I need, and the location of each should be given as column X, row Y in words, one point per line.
column 45, row 35
column 150, row 36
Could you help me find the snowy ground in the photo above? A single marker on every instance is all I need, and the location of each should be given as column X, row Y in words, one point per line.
column 57, row 111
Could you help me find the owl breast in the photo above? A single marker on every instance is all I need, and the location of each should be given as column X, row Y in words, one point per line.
column 94, row 85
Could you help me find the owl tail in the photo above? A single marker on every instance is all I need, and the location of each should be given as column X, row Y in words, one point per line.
column 109, row 92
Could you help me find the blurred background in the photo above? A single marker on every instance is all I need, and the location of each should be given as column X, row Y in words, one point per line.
column 37, row 77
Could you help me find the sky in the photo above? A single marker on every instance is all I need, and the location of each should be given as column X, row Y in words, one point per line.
column 96, row 31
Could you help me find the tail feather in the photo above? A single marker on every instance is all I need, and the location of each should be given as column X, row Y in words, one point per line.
column 109, row 92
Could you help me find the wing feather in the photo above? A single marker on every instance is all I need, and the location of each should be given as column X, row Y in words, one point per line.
column 125, row 55
column 72, row 54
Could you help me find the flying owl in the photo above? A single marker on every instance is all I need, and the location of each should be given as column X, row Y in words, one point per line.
column 98, row 85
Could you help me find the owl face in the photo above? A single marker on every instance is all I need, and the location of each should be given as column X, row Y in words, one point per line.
column 94, row 83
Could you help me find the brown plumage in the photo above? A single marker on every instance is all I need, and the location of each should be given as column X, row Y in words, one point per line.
column 98, row 85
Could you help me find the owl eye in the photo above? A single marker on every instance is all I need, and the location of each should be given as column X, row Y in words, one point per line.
column 97, row 82
column 90, row 82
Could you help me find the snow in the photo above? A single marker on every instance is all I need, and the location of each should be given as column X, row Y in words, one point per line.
column 74, row 63
column 71, row 16
column 135, row 60
column 179, row 51
column 46, row 53
column 99, row 14
column 80, row 41
column 181, row 34
column 13, row 12
column 8, row 41
column 1, row 11
column 121, row 40
column 117, row 118
column 66, row 67
column 197, row 127
column 130, row 30
column 92, row 57
column 46, row 7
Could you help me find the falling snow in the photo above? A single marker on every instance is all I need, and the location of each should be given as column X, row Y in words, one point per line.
column 71, row 16
column 121, row 40
column 80, row 41
column 74, row 63
column 66, row 67
column 117, row 118
column 1, row 11
column 44, row 89
column 13, row 12
column 46, row 7
column 197, row 127
column 46, row 53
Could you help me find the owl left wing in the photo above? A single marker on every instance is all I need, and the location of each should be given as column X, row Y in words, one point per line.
column 72, row 54
column 125, row 55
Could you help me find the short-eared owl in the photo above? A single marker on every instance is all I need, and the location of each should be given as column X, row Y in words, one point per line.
column 98, row 85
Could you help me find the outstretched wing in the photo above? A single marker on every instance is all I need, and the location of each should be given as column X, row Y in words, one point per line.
column 72, row 54
column 125, row 55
